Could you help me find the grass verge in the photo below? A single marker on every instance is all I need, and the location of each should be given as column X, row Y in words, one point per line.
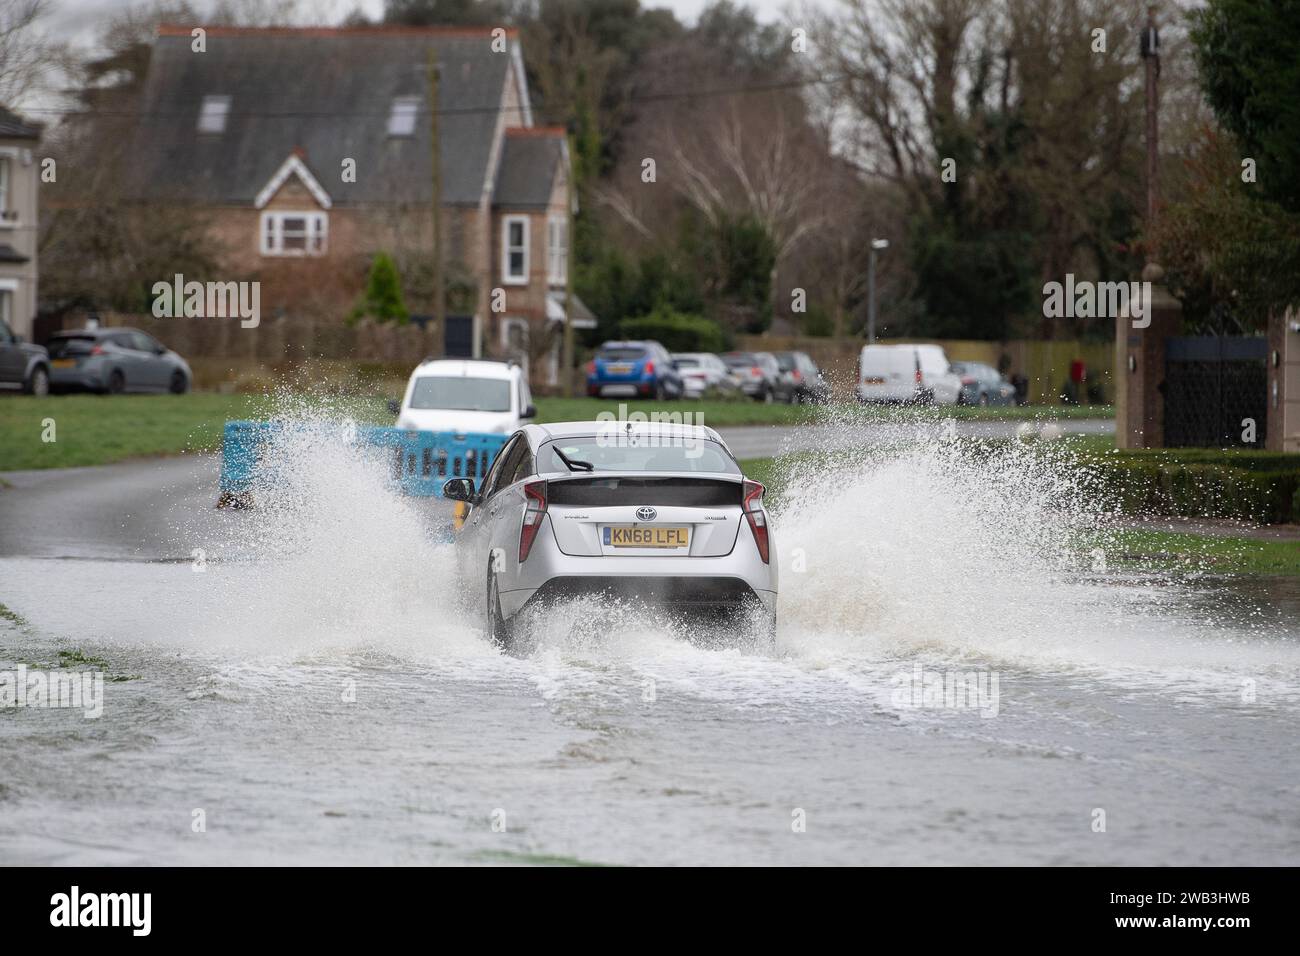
column 99, row 430
column 1134, row 548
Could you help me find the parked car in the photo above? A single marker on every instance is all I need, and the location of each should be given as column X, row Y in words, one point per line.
column 982, row 384
column 115, row 360
column 633, row 369
column 804, row 379
column 760, row 375
column 704, row 372
column 661, row 516
column 22, row 365
column 465, row 395
column 907, row 373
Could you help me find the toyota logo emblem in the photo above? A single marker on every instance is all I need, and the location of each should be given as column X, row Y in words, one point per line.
column 646, row 514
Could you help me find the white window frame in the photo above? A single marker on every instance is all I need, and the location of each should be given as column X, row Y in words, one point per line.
column 270, row 231
column 403, row 115
column 507, row 276
column 213, row 113
column 557, row 250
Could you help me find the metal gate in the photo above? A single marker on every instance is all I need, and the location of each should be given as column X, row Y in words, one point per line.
column 1214, row 383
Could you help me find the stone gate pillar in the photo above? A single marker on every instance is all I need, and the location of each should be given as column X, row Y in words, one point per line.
column 1140, row 365
column 1284, row 381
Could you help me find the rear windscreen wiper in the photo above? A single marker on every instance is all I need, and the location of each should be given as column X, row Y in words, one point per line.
column 573, row 464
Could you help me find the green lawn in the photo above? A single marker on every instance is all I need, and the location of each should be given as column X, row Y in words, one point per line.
column 1133, row 548
column 97, row 429
column 728, row 414
column 1175, row 551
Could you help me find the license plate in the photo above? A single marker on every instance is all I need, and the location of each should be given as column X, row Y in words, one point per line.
column 646, row 536
column 64, row 363
column 618, row 369
column 873, row 381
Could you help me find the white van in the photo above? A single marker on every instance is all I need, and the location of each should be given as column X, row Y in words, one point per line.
column 465, row 395
column 907, row 373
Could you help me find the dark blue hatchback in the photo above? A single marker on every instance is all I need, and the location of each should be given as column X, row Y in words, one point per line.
column 633, row 370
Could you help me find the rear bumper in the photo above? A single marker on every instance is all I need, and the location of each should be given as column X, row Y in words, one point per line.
column 730, row 581
column 75, row 378
column 696, row 594
column 623, row 389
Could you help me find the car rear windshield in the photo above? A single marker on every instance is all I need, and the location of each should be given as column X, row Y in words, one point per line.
column 687, row 362
column 610, row 492
column 739, row 360
column 630, row 354
column 786, row 361
column 71, row 345
column 635, row 453
column 455, row 393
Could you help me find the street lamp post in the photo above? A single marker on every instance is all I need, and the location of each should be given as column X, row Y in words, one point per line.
column 877, row 245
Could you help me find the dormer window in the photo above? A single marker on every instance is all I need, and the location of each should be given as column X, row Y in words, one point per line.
column 212, row 114
column 401, row 120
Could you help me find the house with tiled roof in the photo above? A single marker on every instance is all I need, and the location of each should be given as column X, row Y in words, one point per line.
column 312, row 149
column 19, row 175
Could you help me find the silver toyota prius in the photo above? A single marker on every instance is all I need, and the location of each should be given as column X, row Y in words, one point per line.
column 654, row 513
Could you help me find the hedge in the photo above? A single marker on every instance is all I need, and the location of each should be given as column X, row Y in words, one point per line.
column 1203, row 483
column 676, row 331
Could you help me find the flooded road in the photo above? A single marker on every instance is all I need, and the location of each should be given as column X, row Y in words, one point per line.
column 302, row 683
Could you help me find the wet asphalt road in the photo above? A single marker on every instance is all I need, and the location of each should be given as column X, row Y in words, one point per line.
column 132, row 510
column 331, row 699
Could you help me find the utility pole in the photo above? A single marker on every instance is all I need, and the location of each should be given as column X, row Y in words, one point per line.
column 570, row 374
column 439, row 295
column 876, row 246
column 1151, row 53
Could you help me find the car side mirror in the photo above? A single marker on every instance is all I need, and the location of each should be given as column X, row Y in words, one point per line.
column 530, row 411
column 459, row 489
column 394, row 406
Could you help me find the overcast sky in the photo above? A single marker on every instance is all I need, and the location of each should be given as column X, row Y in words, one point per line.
column 80, row 20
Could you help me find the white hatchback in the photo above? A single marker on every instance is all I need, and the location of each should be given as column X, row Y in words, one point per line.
column 465, row 395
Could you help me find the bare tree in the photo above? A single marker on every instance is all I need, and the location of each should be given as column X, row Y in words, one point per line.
column 30, row 61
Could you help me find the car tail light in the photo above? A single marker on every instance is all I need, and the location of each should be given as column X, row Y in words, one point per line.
column 968, row 380
column 797, row 375
column 97, row 350
column 535, row 496
column 918, row 377
column 591, row 367
column 756, row 372
column 754, row 514
column 649, row 368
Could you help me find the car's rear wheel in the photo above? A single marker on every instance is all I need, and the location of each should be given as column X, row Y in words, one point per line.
column 38, row 383
column 180, row 384
column 984, row 400
column 116, row 382
column 498, row 627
